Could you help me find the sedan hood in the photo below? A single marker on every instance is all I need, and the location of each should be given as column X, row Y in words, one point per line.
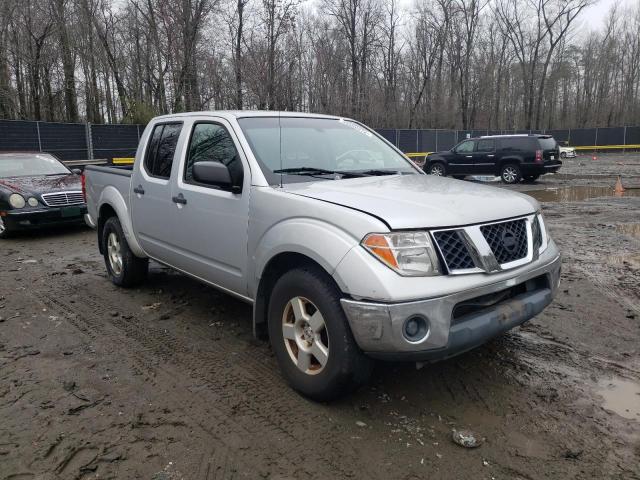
column 41, row 184
column 419, row 201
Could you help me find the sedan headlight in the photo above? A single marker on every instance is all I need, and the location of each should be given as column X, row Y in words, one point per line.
column 410, row 254
column 16, row 200
column 33, row 202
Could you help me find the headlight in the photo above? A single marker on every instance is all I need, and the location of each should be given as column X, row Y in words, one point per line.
column 33, row 202
column 543, row 233
column 16, row 200
column 410, row 254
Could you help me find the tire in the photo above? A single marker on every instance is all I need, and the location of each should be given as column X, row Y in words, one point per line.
column 563, row 154
column 510, row 173
column 123, row 267
column 438, row 169
column 329, row 364
column 530, row 178
column 4, row 230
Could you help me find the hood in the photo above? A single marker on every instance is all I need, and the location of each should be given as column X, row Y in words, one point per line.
column 40, row 184
column 419, row 201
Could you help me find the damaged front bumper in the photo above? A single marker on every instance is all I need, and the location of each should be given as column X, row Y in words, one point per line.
column 455, row 323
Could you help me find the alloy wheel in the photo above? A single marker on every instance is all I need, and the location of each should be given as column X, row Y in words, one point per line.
column 2, row 227
column 437, row 170
column 114, row 253
column 509, row 174
column 305, row 335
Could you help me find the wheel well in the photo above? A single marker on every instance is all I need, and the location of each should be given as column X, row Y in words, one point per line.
column 105, row 213
column 275, row 268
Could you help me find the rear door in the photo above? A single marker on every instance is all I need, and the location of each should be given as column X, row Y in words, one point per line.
column 210, row 224
column 150, row 197
column 461, row 159
column 550, row 148
column 484, row 157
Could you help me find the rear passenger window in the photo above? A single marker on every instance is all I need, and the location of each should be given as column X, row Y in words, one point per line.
column 516, row 144
column 484, row 146
column 161, row 149
column 211, row 142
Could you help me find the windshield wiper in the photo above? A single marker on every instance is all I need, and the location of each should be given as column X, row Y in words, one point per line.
column 311, row 171
column 374, row 172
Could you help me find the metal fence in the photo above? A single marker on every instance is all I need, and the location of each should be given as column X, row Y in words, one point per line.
column 71, row 141
column 414, row 141
column 86, row 141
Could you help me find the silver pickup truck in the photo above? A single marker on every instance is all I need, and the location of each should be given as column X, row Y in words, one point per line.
column 346, row 250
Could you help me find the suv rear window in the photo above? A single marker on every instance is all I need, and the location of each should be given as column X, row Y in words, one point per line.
column 548, row 143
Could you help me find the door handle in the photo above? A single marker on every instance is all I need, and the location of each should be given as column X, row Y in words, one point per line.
column 139, row 190
column 180, row 199
column 490, row 155
column 469, row 156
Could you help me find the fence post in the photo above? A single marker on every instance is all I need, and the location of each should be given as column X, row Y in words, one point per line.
column 417, row 143
column 397, row 138
column 138, row 129
column 89, row 140
column 596, row 144
column 624, row 139
column 437, row 140
column 39, row 139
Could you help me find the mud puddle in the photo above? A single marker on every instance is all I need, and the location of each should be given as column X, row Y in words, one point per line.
column 578, row 193
column 621, row 397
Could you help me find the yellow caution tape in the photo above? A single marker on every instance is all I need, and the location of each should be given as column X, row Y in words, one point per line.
column 123, row 161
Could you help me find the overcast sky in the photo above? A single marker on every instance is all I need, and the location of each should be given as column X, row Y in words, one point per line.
column 595, row 15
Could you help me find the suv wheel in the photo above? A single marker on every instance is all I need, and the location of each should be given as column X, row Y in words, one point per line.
column 437, row 169
column 563, row 154
column 510, row 173
column 311, row 338
column 123, row 267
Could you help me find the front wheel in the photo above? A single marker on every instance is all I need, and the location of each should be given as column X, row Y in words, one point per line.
column 311, row 338
column 510, row 173
column 123, row 267
column 563, row 154
column 437, row 169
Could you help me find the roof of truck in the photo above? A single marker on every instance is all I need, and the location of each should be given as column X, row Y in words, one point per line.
column 252, row 113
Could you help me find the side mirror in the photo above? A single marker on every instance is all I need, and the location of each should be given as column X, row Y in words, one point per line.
column 212, row 173
column 76, row 171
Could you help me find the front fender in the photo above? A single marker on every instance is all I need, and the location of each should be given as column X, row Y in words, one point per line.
column 111, row 196
column 324, row 243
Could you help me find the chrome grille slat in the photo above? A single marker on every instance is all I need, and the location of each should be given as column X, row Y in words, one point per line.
column 62, row 199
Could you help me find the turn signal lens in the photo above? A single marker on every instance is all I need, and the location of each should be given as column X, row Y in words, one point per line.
column 33, row 202
column 408, row 253
column 16, row 200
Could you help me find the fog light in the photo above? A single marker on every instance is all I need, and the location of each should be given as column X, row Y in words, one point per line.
column 415, row 328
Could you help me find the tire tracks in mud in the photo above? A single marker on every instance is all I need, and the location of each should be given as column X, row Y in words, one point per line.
column 257, row 420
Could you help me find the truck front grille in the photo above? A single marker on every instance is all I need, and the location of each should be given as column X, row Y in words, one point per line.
column 62, row 199
column 453, row 249
column 507, row 240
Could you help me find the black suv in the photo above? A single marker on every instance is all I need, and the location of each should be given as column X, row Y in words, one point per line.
column 512, row 157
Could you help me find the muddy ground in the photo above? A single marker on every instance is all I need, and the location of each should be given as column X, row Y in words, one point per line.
column 166, row 382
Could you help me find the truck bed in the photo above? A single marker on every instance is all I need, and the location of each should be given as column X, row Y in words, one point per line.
column 101, row 181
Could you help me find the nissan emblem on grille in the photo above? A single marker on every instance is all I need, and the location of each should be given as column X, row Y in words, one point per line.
column 507, row 240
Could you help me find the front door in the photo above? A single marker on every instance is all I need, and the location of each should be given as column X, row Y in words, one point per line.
column 210, row 223
column 150, row 198
column 461, row 160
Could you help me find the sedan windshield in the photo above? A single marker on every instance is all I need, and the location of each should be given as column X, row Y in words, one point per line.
column 301, row 149
column 30, row 164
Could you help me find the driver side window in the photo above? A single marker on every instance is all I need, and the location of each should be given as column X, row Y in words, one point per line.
column 465, row 147
column 211, row 142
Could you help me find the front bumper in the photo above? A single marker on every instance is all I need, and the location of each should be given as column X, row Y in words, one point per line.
column 378, row 327
column 25, row 219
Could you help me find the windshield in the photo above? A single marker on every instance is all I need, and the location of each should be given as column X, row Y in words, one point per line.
column 30, row 164
column 319, row 146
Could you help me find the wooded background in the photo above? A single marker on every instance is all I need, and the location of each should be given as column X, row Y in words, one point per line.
column 457, row 64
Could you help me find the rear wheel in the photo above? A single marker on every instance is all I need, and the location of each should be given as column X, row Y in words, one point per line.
column 563, row 154
column 510, row 173
column 311, row 338
column 123, row 267
column 438, row 169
